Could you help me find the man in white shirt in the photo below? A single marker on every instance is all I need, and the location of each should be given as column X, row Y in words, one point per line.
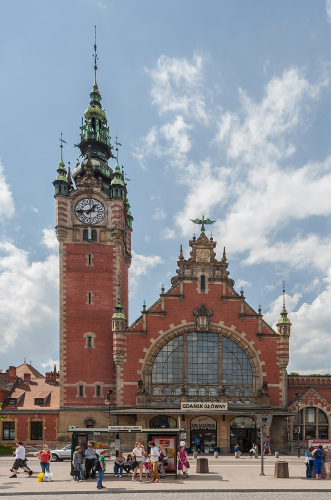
column 19, row 459
column 90, row 455
column 154, row 456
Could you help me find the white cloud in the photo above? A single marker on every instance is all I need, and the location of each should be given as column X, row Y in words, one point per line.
column 328, row 10
column 141, row 266
column 258, row 134
column 28, row 304
column 6, row 200
column 49, row 239
column 50, row 364
column 178, row 86
column 34, row 209
column 168, row 234
column 159, row 214
column 242, row 283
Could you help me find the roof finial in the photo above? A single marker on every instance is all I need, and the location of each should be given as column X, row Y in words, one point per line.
column 61, row 145
column 117, row 144
column 95, row 57
column 284, row 281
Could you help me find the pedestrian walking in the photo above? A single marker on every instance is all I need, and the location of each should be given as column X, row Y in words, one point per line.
column 137, row 452
column 19, row 460
column 45, row 457
column 77, row 460
column 162, row 460
column 197, row 443
column 154, row 456
column 101, row 471
column 90, row 456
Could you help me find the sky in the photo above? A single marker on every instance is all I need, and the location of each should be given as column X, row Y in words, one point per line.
column 222, row 109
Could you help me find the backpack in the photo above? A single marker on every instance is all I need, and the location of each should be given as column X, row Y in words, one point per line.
column 97, row 465
column 161, row 457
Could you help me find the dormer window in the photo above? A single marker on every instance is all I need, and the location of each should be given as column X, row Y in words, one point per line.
column 12, row 401
column 39, row 401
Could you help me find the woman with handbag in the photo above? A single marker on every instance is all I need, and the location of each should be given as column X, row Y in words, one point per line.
column 183, row 464
column 163, row 460
column 137, row 452
column 318, row 458
column 309, row 462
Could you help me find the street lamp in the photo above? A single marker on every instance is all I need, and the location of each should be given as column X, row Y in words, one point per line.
column 299, row 401
column 107, row 402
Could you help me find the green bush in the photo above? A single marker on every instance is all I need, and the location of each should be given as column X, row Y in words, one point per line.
column 6, row 450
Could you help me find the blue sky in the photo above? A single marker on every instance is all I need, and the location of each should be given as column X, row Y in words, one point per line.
column 222, row 108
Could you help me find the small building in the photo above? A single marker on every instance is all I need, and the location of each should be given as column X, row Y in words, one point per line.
column 30, row 408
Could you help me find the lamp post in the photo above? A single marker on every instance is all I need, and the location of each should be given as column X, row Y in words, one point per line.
column 107, row 402
column 299, row 401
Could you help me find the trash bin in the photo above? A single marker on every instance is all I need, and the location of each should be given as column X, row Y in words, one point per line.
column 281, row 469
column 202, row 466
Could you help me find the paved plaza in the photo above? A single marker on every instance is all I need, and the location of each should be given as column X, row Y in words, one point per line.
column 233, row 478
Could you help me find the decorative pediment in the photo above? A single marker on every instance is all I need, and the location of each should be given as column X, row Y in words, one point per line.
column 311, row 398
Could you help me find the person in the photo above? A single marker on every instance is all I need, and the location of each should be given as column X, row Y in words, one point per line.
column 318, row 458
column 327, row 461
column 183, row 464
column 128, row 464
column 162, row 459
column 45, row 457
column 309, row 461
column 266, row 446
column 19, row 460
column 154, row 456
column 119, row 464
column 197, row 443
column 77, row 463
column 236, row 450
column 147, row 462
column 90, row 456
column 138, row 454
column 252, row 451
column 101, row 471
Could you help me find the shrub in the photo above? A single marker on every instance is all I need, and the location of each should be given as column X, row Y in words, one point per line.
column 6, row 449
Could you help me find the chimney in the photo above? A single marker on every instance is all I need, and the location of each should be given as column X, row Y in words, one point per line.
column 50, row 378
column 12, row 374
column 27, row 378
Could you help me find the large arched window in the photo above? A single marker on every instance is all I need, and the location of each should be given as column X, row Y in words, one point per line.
column 313, row 424
column 163, row 421
column 203, row 360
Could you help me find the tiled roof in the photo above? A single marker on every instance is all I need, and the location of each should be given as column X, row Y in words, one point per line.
column 36, row 388
column 25, row 368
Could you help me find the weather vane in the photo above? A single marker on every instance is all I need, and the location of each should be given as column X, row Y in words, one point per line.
column 202, row 221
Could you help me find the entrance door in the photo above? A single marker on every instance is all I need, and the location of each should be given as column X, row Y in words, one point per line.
column 203, row 428
column 242, row 431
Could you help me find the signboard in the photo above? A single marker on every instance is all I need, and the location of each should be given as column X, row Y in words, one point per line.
column 124, row 428
column 263, row 419
column 203, row 423
column 204, row 406
column 169, row 443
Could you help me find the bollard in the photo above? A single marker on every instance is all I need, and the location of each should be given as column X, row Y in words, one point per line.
column 276, row 454
column 195, row 454
column 215, row 454
column 202, row 466
column 236, row 454
column 281, row 469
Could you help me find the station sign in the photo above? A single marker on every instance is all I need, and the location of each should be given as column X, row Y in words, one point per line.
column 124, row 428
column 201, row 406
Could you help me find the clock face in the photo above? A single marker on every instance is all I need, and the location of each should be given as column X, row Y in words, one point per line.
column 90, row 211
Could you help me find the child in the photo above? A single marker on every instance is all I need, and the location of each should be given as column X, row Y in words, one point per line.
column 102, row 469
column 128, row 464
column 147, row 460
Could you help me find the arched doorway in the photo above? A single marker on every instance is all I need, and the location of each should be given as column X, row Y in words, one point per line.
column 242, row 431
column 203, row 428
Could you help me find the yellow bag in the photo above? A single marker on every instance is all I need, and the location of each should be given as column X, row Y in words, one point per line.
column 40, row 477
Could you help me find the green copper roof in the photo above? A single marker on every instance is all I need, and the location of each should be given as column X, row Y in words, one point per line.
column 118, row 314
column 117, row 176
column 283, row 316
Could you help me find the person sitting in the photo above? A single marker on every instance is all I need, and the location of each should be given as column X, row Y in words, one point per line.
column 128, row 464
column 119, row 464
column 237, row 452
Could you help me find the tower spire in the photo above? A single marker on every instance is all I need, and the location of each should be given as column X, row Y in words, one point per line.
column 283, row 314
column 95, row 57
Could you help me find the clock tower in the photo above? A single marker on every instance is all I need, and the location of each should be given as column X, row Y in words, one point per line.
column 93, row 227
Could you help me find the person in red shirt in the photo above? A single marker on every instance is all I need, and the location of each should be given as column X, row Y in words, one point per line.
column 45, row 457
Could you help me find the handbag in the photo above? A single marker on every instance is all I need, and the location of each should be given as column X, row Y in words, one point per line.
column 134, row 464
